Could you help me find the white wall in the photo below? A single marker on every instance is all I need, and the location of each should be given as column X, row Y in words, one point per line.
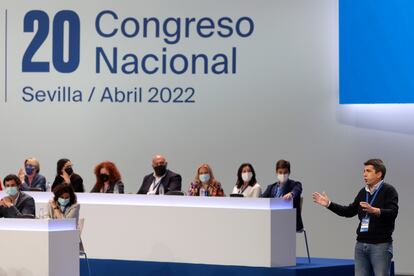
column 283, row 103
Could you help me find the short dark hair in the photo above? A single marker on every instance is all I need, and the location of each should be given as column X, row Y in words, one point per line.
column 12, row 177
column 378, row 166
column 283, row 164
column 64, row 188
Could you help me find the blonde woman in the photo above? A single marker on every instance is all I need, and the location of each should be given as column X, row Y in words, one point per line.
column 30, row 177
column 205, row 182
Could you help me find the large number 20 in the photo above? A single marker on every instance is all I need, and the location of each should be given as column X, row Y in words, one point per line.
column 72, row 19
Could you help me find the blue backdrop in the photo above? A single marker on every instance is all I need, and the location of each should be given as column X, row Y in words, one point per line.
column 376, row 51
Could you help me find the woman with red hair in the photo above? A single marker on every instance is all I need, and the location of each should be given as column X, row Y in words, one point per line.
column 108, row 179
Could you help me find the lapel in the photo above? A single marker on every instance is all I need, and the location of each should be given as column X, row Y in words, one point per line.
column 19, row 200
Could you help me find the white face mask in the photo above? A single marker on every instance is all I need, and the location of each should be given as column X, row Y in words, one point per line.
column 282, row 177
column 247, row 176
column 205, row 177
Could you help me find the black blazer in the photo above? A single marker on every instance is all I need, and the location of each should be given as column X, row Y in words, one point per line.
column 24, row 207
column 171, row 182
column 295, row 187
column 75, row 180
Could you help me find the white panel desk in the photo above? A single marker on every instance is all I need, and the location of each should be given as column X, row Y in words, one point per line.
column 224, row 231
column 39, row 247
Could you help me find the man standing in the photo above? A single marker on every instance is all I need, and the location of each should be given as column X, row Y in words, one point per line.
column 17, row 204
column 161, row 180
column 377, row 208
column 287, row 189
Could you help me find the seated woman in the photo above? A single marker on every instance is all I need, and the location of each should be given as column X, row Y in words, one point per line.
column 65, row 174
column 108, row 179
column 64, row 203
column 204, row 180
column 30, row 177
column 246, row 182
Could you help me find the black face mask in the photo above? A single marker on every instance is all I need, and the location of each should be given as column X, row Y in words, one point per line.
column 69, row 170
column 104, row 177
column 160, row 170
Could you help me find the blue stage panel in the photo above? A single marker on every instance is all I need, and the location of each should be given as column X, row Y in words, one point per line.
column 376, row 59
column 318, row 267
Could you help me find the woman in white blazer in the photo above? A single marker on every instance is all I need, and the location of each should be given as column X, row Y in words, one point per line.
column 246, row 182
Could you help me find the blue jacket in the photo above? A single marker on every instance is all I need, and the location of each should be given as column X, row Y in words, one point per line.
column 39, row 182
column 291, row 186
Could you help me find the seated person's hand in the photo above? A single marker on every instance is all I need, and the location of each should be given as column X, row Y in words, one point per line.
column 21, row 174
column 65, row 177
column 52, row 203
column 288, row 196
column 6, row 202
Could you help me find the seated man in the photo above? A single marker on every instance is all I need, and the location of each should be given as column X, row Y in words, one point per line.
column 287, row 189
column 17, row 204
column 161, row 177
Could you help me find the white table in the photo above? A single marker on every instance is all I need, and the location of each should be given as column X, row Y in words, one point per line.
column 225, row 231
column 39, row 247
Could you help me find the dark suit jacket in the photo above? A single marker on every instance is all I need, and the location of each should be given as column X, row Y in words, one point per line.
column 39, row 181
column 24, row 207
column 295, row 187
column 171, row 182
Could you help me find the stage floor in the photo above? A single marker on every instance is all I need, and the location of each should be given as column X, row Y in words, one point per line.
column 317, row 267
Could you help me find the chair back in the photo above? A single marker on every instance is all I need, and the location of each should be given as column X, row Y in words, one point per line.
column 300, row 212
column 81, row 223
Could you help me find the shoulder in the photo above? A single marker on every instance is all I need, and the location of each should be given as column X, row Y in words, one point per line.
column 25, row 196
column 271, row 185
column 256, row 186
column 75, row 176
column 389, row 187
column 148, row 176
column 172, row 174
column 294, row 182
column 40, row 177
column 362, row 191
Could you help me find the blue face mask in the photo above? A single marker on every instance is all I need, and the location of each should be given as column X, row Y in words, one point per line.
column 63, row 201
column 12, row 191
column 29, row 169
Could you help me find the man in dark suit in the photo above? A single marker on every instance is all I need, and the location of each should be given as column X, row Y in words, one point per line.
column 161, row 177
column 17, row 204
column 287, row 189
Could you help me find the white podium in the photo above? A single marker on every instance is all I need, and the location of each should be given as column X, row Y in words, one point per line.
column 258, row 232
column 39, row 247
